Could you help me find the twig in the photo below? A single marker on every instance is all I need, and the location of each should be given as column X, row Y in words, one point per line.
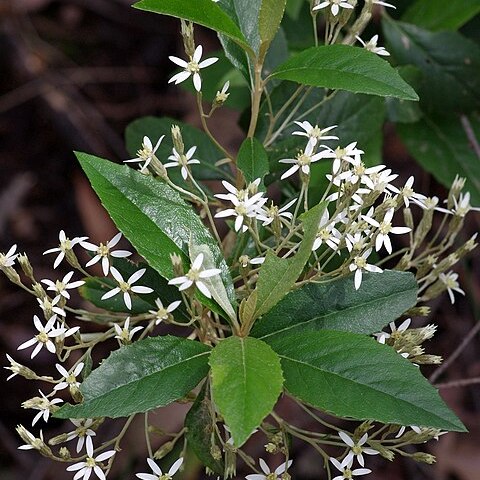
column 470, row 134
column 464, row 382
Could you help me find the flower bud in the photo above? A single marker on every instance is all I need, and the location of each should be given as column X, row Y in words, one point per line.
column 26, row 266
column 188, row 37
column 164, row 450
column 424, row 458
column 177, row 140
column 65, row 454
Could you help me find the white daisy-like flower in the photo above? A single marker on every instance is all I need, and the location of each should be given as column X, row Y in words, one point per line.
column 357, row 241
column 49, row 305
column 267, row 473
column 236, row 194
column 359, row 172
column 91, row 464
column 315, row 134
column 268, row 215
column 381, row 181
column 450, row 280
column 157, row 471
column 385, row 228
column 127, row 287
column 70, row 378
column 407, row 193
column 371, row 46
column 162, row 312
column 65, row 245
column 34, row 443
column 195, row 276
column 359, row 265
column 345, row 468
column 357, row 449
column 61, row 287
column 8, row 259
column 304, row 160
column 462, row 205
column 192, row 67
column 416, row 429
column 334, row 5
column 249, row 207
column 125, row 335
column 182, row 160
column 222, row 95
column 145, row 154
column 82, row 431
column 383, row 336
column 44, row 338
column 103, row 252
column 327, row 233
column 350, row 154
column 45, row 407
column 14, row 367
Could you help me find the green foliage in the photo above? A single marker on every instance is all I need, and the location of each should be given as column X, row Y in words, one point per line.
column 252, row 160
column 246, row 383
column 270, row 17
column 338, row 306
column 136, row 378
column 345, row 68
column 353, row 376
column 159, row 223
column 442, row 147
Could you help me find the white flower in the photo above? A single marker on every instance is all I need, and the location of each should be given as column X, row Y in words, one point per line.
column 103, row 252
column 34, row 443
column 182, row 160
column 416, row 429
column 222, row 96
column 383, row 336
column 65, row 245
column 268, row 474
column 371, row 46
column 14, row 367
column 304, row 160
column 346, row 470
column 356, row 448
column 157, row 472
column 146, row 153
column 381, row 181
column 327, row 233
column 49, row 305
column 384, row 229
column 407, row 193
column 359, row 265
column 359, row 172
column 350, row 154
column 246, row 208
column 268, row 215
column 356, row 241
column 451, row 282
column 45, row 406
column 191, row 68
column 70, row 378
column 314, row 133
column 62, row 287
column 91, row 464
column 195, row 276
column 8, row 259
column 334, row 6
column 44, row 337
column 235, row 194
column 124, row 334
column 127, row 286
column 82, row 431
column 162, row 312
column 462, row 205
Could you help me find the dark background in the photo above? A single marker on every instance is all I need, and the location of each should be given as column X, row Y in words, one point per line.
column 74, row 73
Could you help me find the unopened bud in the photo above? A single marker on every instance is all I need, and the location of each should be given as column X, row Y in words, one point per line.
column 65, row 454
column 164, row 450
column 72, row 259
column 36, row 443
column 271, row 448
column 408, row 217
column 428, row 359
column 424, row 227
column 424, row 458
column 38, row 290
column 215, row 452
column 418, row 312
column 177, row 264
column 58, row 439
column 188, row 37
column 12, row 275
column 177, row 140
column 19, row 369
column 26, row 266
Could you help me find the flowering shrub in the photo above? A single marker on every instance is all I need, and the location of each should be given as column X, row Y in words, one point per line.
column 287, row 282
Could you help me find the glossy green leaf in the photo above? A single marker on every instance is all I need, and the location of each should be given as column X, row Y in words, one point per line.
column 246, row 383
column 277, row 275
column 137, row 378
column 200, row 432
column 449, row 62
column 351, row 375
column 237, row 57
column 270, row 17
column 203, row 12
column 382, row 298
column 154, row 128
column 344, row 67
column 152, row 216
column 441, row 14
column 442, row 145
column 252, row 160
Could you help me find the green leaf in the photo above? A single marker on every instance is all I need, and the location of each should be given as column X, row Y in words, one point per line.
column 443, row 147
column 271, row 14
column 449, row 62
column 350, row 375
column 203, row 12
column 246, row 383
column 277, row 276
column 294, row 8
column 152, row 216
column 252, row 160
column 200, row 432
column 345, row 68
column 137, row 378
column 441, row 14
column 154, row 128
column 338, row 306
